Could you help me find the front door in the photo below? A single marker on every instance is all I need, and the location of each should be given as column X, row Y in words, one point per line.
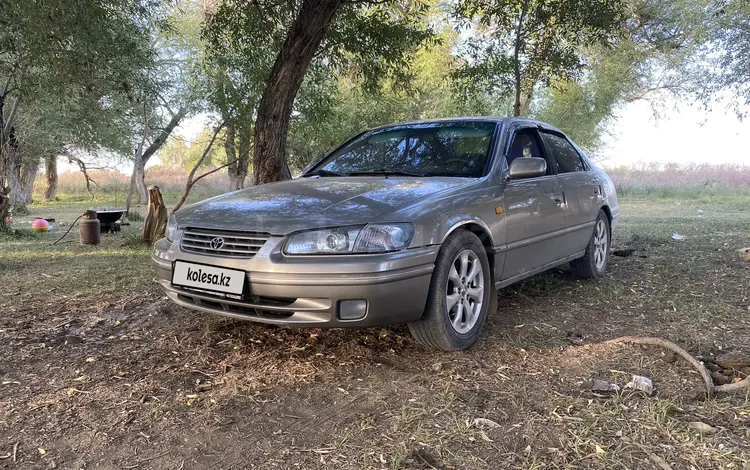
column 534, row 211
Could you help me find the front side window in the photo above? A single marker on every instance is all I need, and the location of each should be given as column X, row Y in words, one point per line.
column 567, row 158
column 431, row 149
column 525, row 144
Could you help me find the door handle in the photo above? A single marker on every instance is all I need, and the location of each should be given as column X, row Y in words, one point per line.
column 559, row 198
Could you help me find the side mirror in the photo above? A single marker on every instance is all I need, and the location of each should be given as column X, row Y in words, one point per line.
column 527, row 167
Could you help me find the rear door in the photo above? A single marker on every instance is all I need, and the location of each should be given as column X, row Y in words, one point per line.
column 581, row 189
column 534, row 209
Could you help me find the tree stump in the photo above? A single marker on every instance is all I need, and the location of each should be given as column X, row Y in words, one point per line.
column 4, row 203
column 156, row 217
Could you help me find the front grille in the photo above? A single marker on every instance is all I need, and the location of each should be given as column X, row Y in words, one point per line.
column 235, row 244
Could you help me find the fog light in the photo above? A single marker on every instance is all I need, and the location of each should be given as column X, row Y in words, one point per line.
column 352, row 309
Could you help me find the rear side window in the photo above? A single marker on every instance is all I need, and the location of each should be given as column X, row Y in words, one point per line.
column 568, row 159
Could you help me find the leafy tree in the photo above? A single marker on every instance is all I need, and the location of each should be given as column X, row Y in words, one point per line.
column 65, row 67
column 584, row 108
column 178, row 153
column 518, row 45
column 172, row 90
column 282, row 42
column 661, row 52
column 426, row 93
column 729, row 31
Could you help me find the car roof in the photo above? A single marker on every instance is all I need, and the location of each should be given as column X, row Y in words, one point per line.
column 503, row 120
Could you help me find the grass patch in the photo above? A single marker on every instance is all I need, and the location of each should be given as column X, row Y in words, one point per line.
column 134, row 216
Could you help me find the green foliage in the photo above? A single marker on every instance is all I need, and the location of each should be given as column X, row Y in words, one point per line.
column 74, row 66
column 428, row 93
column 518, row 45
column 585, row 108
column 97, row 78
column 660, row 54
column 373, row 41
column 177, row 153
column 730, row 32
column 369, row 46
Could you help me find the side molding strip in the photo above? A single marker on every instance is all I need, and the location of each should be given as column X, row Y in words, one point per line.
column 541, row 238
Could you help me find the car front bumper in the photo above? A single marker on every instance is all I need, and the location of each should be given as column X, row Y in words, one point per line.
column 308, row 290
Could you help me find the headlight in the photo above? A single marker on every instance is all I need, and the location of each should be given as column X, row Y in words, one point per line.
column 335, row 240
column 375, row 238
column 171, row 229
column 379, row 238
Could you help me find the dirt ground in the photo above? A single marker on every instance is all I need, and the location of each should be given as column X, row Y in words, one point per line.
column 98, row 370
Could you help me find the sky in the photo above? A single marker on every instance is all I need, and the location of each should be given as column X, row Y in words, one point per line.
column 683, row 133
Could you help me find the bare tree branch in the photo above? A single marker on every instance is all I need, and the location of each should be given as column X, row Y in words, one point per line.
column 190, row 181
column 84, row 170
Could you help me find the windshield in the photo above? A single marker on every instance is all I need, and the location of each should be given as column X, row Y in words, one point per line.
column 431, row 149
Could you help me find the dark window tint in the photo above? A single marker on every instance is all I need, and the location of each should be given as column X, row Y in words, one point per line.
column 525, row 144
column 568, row 160
column 430, row 149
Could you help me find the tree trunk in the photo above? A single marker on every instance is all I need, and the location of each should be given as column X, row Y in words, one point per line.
column 138, row 173
column 28, row 177
column 13, row 174
column 274, row 112
column 230, row 150
column 4, row 147
column 50, row 172
column 4, row 204
column 238, row 157
column 243, row 155
column 140, row 182
column 517, row 62
column 162, row 138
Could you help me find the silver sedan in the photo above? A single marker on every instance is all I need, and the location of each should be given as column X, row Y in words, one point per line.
column 415, row 223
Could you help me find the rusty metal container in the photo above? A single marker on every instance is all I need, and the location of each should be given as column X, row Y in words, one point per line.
column 90, row 229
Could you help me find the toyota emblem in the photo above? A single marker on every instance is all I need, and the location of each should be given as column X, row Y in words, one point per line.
column 217, row 243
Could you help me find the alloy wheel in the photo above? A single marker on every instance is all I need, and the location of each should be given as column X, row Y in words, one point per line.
column 601, row 244
column 465, row 291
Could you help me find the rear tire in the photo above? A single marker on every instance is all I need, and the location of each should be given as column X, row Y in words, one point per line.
column 461, row 294
column 593, row 265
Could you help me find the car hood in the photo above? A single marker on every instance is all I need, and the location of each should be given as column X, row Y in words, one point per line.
column 305, row 203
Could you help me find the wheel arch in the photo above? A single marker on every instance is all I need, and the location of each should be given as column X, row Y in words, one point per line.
column 483, row 233
column 608, row 213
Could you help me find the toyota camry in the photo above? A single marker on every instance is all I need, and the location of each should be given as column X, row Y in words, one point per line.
column 416, row 223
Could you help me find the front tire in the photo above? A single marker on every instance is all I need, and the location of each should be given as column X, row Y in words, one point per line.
column 593, row 265
column 461, row 294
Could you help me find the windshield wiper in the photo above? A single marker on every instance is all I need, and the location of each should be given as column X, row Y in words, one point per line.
column 386, row 173
column 322, row 172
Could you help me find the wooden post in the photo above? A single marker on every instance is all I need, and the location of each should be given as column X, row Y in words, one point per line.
column 156, row 217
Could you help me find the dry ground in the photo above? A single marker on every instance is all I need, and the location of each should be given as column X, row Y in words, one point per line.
column 97, row 370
